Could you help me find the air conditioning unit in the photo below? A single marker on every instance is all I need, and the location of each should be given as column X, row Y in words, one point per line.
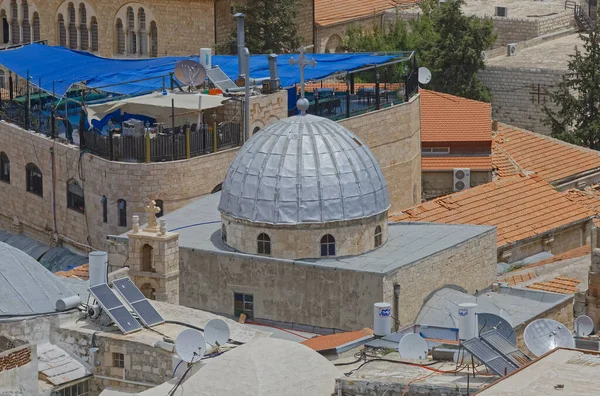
column 511, row 49
column 502, row 12
column 462, row 179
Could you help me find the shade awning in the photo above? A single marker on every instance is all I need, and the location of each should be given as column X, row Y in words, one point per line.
column 157, row 105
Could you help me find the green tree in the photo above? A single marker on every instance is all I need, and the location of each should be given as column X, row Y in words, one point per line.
column 574, row 116
column 271, row 26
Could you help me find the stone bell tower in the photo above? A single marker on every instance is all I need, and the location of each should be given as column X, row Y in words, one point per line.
column 154, row 258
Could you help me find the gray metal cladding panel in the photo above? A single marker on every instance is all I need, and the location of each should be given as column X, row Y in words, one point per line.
column 492, row 359
column 128, row 290
column 147, row 313
column 124, row 319
column 105, row 296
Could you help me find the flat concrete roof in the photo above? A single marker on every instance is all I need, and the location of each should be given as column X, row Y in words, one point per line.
column 552, row 54
column 576, row 370
column 517, row 9
column 199, row 228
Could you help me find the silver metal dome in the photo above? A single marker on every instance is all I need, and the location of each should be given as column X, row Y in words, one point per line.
column 304, row 169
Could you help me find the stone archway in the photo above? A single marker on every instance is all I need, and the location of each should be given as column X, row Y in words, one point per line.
column 332, row 44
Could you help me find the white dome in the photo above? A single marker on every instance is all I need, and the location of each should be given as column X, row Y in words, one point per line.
column 304, row 169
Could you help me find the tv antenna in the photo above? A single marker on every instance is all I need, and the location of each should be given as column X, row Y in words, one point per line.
column 424, row 75
column 413, row 346
column 190, row 345
column 584, row 326
column 190, row 73
column 216, row 332
column 488, row 321
column 544, row 335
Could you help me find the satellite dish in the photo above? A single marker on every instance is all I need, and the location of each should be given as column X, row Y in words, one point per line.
column 488, row 321
column 544, row 335
column 584, row 326
column 413, row 346
column 190, row 345
column 190, row 73
column 424, row 75
column 216, row 332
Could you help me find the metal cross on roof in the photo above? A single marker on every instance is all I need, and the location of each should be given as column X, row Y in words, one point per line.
column 302, row 62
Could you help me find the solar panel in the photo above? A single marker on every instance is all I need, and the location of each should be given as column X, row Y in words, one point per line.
column 491, row 358
column 220, row 79
column 501, row 344
column 115, row 309
column 142, row 307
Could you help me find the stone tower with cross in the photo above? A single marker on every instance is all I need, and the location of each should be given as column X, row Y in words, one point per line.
column 153, row 258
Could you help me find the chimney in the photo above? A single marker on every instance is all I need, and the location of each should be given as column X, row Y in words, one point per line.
column 495, row 125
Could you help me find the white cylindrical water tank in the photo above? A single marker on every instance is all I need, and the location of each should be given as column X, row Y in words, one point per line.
column 206, row 58
column 67, row 303
column 467, row 321
column 382, row 319
column 98, row 268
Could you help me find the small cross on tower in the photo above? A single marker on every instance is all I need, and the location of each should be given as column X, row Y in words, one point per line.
column 152, row 210
column 302, row 62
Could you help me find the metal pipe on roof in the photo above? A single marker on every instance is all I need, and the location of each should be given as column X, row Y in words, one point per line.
column 241, row 41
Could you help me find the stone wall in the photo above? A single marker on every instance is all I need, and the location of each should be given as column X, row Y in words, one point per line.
column 557, row 242
column 515, row 98
column 352, row 237
column 593, row 291
column 469, row 266
column 284, row 291
column 394, row 137
column 334, row 32
column 436, row 184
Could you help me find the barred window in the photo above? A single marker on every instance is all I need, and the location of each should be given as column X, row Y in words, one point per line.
column 264, row 244
column 35, row 183
column 75, row 198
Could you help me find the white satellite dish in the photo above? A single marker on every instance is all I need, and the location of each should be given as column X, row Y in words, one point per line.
column 544, row 335
column 424, row 75
column 488, row 321
column 190, row 73
column 216, row 332
column 584, row 326
column 190, row 345
column 413, row 346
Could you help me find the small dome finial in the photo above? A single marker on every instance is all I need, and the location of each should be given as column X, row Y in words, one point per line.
column 303, row 104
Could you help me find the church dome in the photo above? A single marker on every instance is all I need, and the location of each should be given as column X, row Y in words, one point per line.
column 304, row 169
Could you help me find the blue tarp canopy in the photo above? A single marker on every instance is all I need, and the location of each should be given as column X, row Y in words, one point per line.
column 65, row 67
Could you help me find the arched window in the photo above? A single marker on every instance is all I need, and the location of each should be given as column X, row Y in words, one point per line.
column 224, row 233
column 153, row 40
column 75, row 199
column 62, row 31
column 15, row 29
column 377, row 236
column 4, row 168
column 36, row 27
column 83, row 30
column 122, row 204
column 147, row 259
column 120, row 37
column 327, row 245
column 5, row 27
column 25, row 26
column 35, row 183
column 148, row 291
column 104, row 203
column 132, row 44
column 94, row 31
column 264, row 244
column 142, row 23
column 256, row 130
column 72, row 27
column 159, row 204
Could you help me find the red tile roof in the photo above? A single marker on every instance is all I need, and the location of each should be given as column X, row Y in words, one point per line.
column 447, row 118
column 446, row 163
column 560, row 284
column 330, row 12
column 520, row 207
column 570, row 254
column 81, row 272
column 516, row 279
column 549, row 158
column 503, row 165
column 332, row 341
column 590, row 198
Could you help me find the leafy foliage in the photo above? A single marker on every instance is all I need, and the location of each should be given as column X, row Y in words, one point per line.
column 271, row 27
column 446, row 41
column 577, row 98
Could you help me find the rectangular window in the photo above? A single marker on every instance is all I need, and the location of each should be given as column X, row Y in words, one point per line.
column 435, row 150
column 243, row 303
column 75, row 198
column 118, row 360
column 79, row 389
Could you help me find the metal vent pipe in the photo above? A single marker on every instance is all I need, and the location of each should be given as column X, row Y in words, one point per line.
column 241, row 42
